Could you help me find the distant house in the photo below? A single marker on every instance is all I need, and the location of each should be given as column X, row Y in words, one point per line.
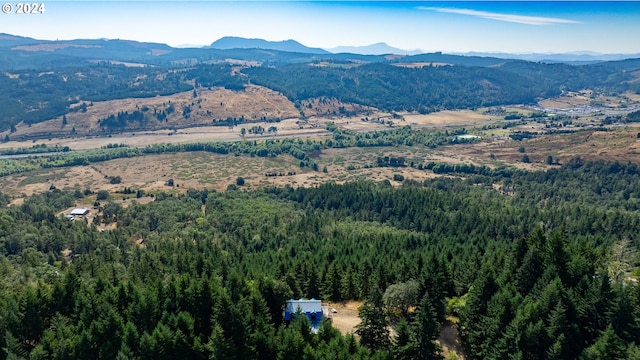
column 79, row 212
column 312, row 308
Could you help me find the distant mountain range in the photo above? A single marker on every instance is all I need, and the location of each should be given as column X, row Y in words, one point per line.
column 18, row 52
column 373, row 49
column 381, row 48
column 231, row 42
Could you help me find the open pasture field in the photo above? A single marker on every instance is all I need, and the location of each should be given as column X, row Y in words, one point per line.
column 380, row 120
column 568, row 101
column 587, row 97
column 200, row 170
column 196, row 170
column 286, row 128
column 448, row 117
column 619, row 144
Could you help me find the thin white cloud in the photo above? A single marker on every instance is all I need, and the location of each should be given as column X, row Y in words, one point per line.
column 520, row 19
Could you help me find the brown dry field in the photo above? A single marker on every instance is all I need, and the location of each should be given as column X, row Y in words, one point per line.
column 619, row 144
column 447, row 117
column 633, row 97
column 567, row 101
column 417, row 65
column 199, row 170
column 195, row 134
column 150, row 173
column 329, row 64
column 293, row 127
column 585, row 97
column 377, row 120
column 331, row 107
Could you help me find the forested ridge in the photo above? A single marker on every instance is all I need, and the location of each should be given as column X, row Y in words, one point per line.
column 433, row 88
column 540, row 274
column 31, row 96
column 395, row 88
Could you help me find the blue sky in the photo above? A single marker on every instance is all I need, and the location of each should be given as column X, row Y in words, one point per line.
column 455, row 26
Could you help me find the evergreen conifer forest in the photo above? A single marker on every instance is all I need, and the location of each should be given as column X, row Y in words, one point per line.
column 543, row 273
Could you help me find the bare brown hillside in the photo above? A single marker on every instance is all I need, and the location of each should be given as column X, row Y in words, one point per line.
column 332, row 107
column 254, row 103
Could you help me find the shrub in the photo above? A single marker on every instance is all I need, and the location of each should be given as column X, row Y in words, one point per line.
column 102, row 195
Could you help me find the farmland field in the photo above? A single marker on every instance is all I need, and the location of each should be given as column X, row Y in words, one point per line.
column 199, row 170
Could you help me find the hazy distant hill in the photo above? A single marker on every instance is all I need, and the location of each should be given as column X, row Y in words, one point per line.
column 439, row 57
column 576, row 57
column 34, row 45
column 373, row 49
column 231, row 42
column 24, row 53
column 13, row 40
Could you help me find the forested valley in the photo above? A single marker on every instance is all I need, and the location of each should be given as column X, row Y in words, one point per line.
column 544, row 272
column 31, row 96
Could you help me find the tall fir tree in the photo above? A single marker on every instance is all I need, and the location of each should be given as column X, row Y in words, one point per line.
column 425, row 331
column 373, row 328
